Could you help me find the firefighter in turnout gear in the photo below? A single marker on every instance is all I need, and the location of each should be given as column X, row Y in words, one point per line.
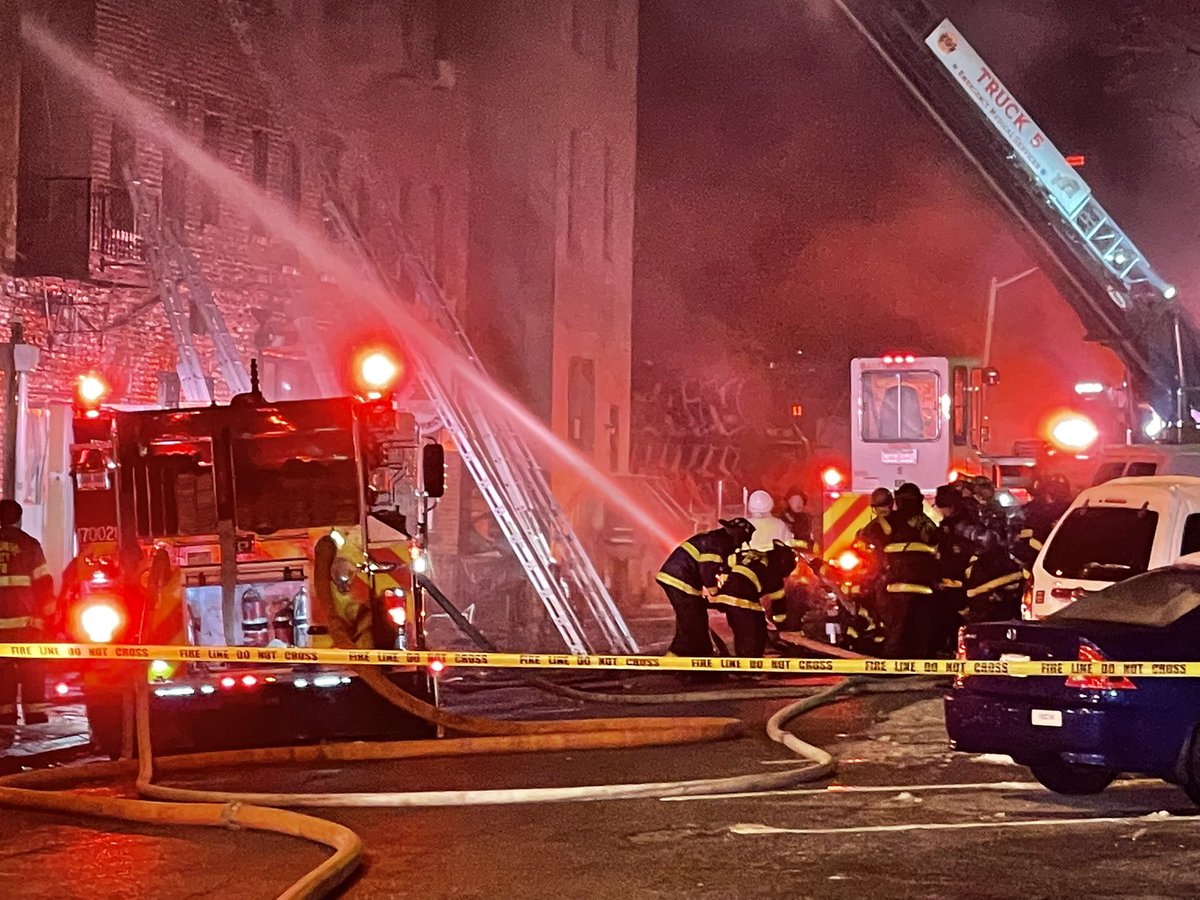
column 691, row 572
column 26, row 598
column 1051, row 499
column 755, row 578
column 910, row 572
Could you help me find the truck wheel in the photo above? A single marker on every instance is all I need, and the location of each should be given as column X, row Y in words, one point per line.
column 1072, row 778
column 1191, row 767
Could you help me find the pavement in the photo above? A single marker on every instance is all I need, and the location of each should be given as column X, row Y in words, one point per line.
column 904, row 816
column 63, row 739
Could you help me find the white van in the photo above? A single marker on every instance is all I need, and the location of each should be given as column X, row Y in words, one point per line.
column 1114, row 531
column 1138, row 460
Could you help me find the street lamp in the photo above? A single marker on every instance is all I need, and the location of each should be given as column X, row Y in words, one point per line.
column 993, row 287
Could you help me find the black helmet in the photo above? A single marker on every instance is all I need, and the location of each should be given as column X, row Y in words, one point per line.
column 908, row 496
column 10, row 512
column 740, row 529
column 882, row 497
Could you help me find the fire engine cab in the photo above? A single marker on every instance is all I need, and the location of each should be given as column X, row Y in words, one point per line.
column 251, row 524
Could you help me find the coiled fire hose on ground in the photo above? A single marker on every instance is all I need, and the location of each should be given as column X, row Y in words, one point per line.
column 182, row 806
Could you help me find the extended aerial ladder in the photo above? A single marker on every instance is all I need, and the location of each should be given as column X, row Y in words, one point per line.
column 1122, row 302
column 172, row 266
column 509, row 478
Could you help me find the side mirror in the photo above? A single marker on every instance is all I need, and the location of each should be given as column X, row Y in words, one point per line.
column 433, row 470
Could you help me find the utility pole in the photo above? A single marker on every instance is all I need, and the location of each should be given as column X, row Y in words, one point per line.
column 17, row 359
column 993, row 288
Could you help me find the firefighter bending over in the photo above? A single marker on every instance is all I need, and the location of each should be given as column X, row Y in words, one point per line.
column 755, row 577
column 26, row 597
column 689, row 573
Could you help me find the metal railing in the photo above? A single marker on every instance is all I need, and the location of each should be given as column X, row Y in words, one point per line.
column 115, row 233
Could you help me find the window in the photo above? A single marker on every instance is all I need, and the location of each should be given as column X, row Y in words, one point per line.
column 960, row 405
column 609, row 202
column 1102, row 543
column 174, row 174
column 291, row 174
column 300, row 478
column 1141, row 469
column 174, row 489
column 614, row 437
column 577, row 26
column 1108, row 472
column 612, row 23
column 210, row 205
column 573, row 242
column 1191, row 535
column 122, row 164
column 900, row 406
column 260, row 150
column 438, row 198
column 581, row 403
column 404, row 200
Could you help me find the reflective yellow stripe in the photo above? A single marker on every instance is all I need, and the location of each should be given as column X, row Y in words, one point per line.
column 672, row 581
column 42, row 571
column 774, row 595
column 779, row 618
column 1035, row 543
column 697, row 555
column 1024, row 534
column 995, row 583
column 912, row 546
column 15, row 581
column 903, row 588
column 15, row 622
column 726, row 600
column 951, row 583
column 749, row 573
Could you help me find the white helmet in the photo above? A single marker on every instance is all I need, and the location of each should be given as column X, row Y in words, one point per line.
column 761, row 504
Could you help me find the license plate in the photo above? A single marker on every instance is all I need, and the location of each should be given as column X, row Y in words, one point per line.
column 898, row 457
column 1048, row 718
column 1014, row 657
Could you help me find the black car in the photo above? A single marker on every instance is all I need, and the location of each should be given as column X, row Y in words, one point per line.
column 1076, row 734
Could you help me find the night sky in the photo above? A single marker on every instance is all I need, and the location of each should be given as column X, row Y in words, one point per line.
column 791, row 196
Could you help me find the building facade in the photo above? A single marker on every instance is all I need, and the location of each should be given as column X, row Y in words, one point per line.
column 498, row 136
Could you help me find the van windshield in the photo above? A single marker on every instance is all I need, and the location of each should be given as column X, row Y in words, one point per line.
column 1102, row 543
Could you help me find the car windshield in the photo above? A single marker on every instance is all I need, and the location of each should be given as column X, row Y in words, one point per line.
column 1155, row 599
column 1102, row 543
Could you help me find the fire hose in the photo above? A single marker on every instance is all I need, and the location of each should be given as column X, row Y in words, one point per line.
column 185, row 806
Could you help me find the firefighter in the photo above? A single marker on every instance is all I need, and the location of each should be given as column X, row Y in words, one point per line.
column 691, row 572
column 958, row 532
column 910, row 572
column 1051, row 498
column 799, row 520
column 755, row 581
column 26, row 597
column 768, row 528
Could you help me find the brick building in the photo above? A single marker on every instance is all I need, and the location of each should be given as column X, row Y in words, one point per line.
column 501, row 136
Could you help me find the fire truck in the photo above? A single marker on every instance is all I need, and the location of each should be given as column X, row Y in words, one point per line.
column 248, row 525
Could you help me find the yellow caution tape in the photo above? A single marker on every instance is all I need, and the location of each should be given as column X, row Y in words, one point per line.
column 452, row 659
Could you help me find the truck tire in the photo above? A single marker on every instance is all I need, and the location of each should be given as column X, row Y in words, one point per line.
column 1071, row 778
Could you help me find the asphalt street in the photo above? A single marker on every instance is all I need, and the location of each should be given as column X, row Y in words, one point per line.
column 903, row 817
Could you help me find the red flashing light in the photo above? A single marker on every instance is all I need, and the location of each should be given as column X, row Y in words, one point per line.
column 1076, row 160
column 1090, row 654
column 797, row 410
column 899, row 359
column 376, row 372
column 848, row 561
column 62, row 689
column 249, row 680
column 437, row 666
column 228, row 681
column 832, row 477
column 100, row 622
